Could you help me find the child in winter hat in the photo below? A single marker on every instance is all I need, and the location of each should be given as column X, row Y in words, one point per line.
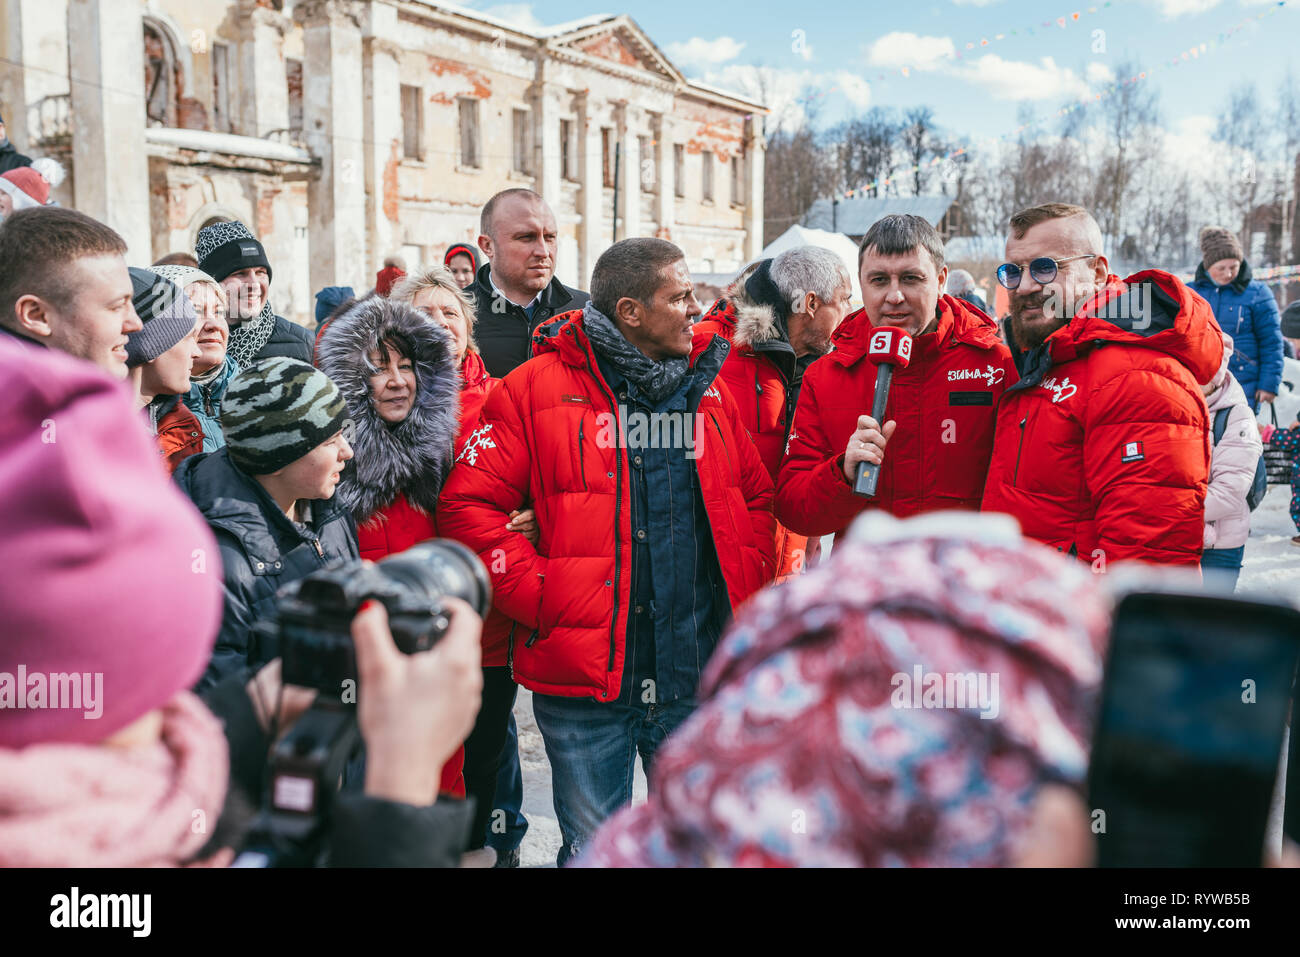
column 167, row 314
column 29, row 186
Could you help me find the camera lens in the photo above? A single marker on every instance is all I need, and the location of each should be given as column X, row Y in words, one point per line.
column 441, row 567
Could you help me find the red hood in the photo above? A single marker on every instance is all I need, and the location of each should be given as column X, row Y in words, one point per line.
column 958, row 322
column 473, row 372
column 1189, row 335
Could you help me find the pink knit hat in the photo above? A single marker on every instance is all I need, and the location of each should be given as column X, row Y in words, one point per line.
column 110, row 581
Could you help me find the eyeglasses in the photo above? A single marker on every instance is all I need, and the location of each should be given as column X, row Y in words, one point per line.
column 1041, row 270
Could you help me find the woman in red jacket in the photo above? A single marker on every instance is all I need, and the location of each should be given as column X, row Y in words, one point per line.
column 397, row 371
column 436, row 293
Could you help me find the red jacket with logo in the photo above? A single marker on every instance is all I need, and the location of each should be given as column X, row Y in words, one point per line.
column 944, row 402
column 1103, row 449
column 543, row 438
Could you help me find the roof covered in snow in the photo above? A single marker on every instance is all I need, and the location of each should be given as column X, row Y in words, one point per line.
column 854, row 217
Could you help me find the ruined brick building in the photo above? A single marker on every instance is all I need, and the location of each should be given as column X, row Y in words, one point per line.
column 343, row 131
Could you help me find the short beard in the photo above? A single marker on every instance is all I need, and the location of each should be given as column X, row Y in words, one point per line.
column 1029, row 337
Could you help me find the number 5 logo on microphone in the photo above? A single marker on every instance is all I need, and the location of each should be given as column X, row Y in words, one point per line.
column 885, row 342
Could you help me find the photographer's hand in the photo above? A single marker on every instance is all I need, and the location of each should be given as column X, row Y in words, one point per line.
column 415, row 710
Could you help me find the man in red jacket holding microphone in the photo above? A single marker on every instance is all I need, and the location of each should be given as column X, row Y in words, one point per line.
column 933, row 447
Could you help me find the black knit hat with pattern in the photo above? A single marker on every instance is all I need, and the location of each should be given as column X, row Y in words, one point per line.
column 276, row 411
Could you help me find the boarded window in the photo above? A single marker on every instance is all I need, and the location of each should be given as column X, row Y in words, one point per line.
column 221, row 87
column 523, row 141
column 679, row 170
column 645, row 150
column 293, row 77
column 737, row 181
column 706, row 166
column 607, row 156
column 568, row 151
column 412, row 122
column 469, row 151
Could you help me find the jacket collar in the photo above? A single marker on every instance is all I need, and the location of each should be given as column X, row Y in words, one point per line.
column 958, row 322
column 236, row 503
column 555, row 296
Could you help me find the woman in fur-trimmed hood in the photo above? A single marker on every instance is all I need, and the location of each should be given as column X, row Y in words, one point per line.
column 397, row 372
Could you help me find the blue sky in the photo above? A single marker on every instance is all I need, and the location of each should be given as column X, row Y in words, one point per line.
column 843, row 48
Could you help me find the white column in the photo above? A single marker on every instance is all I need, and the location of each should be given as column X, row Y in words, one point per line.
column 106, row 69
column 755, row 150
column 667, row 176
column 263, row 92
column 590, row 241
column 546, row 138
column 629, row 199
column 333, row 122
column 384, row 132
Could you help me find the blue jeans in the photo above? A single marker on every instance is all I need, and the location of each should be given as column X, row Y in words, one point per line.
column 509, row 796
column 592, row 748
column 1223, row 565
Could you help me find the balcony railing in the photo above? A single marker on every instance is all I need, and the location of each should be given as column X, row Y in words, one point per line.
column 49, row 122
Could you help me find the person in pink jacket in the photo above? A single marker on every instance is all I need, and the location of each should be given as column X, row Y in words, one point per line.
column 1232, row 472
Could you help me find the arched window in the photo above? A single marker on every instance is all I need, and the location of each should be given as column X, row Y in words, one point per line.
column 161, row 77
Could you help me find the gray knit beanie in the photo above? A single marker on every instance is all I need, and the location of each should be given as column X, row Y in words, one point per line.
column 167, row 314
column 278, row 410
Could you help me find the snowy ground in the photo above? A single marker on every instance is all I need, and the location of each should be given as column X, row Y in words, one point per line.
column 1272, row 568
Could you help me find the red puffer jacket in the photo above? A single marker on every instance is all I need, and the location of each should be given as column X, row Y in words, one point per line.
column 944, row 402
column 544, row 438
column 179, row 433
column 754, row 380
column 762, row 397
column 1103, row 449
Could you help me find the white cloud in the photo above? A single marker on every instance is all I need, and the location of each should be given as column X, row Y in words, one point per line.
column 785, row 91
column 516, row 15
column 1178, row 8
column 1190, row 145
column 900, row 49
column 854, row 88
column 1099, row 74
column 701, row 52
column 1021, row 80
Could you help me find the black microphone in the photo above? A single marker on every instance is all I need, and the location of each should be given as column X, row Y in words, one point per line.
column 888, row 347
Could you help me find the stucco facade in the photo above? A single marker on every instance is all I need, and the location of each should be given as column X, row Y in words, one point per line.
column 343, row 131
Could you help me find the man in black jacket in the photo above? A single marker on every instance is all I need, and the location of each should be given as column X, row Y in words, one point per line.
column 10, row 158
column 230, row 254
column 516, row 290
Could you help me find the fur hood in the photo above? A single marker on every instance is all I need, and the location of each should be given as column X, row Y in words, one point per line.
column 755, row 310
column 412, row 458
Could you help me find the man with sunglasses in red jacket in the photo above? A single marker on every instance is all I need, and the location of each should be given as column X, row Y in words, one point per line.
column 1102, row 448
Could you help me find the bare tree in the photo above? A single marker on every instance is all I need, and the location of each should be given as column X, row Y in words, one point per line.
column 796, row 173
column 1241, row 128
column 1134, row 142
column 917, row 135
column 867, row 149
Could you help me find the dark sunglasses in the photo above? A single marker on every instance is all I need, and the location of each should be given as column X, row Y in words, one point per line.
column 1041, row 270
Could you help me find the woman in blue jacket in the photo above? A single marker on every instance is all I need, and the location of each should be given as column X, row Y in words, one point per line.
column 1245, row 310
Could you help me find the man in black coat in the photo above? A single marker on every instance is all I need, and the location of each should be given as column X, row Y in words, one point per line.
column 516, row 290
column 230, row 254
column 10, row 158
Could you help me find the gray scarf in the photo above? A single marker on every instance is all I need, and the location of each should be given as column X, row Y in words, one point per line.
column 247, row 339
column 655, row 380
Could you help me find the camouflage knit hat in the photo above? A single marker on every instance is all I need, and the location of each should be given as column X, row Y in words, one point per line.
column 278, row 410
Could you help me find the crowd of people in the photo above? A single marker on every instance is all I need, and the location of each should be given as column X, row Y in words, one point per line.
column 647, row 480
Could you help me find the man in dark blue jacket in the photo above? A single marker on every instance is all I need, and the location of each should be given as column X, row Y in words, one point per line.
column 1245, row 310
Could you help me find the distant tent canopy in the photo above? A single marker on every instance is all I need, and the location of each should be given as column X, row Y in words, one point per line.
column 795, row 236
column 853, row 217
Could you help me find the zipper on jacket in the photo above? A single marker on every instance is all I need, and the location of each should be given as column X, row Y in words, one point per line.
column 758, row 404
column 532, row 639
column 582, row 459
column 320, row 552
column 723, row 442
column 207, row 400
column 510, row 648
column 618, row 511
column 1016, row 474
